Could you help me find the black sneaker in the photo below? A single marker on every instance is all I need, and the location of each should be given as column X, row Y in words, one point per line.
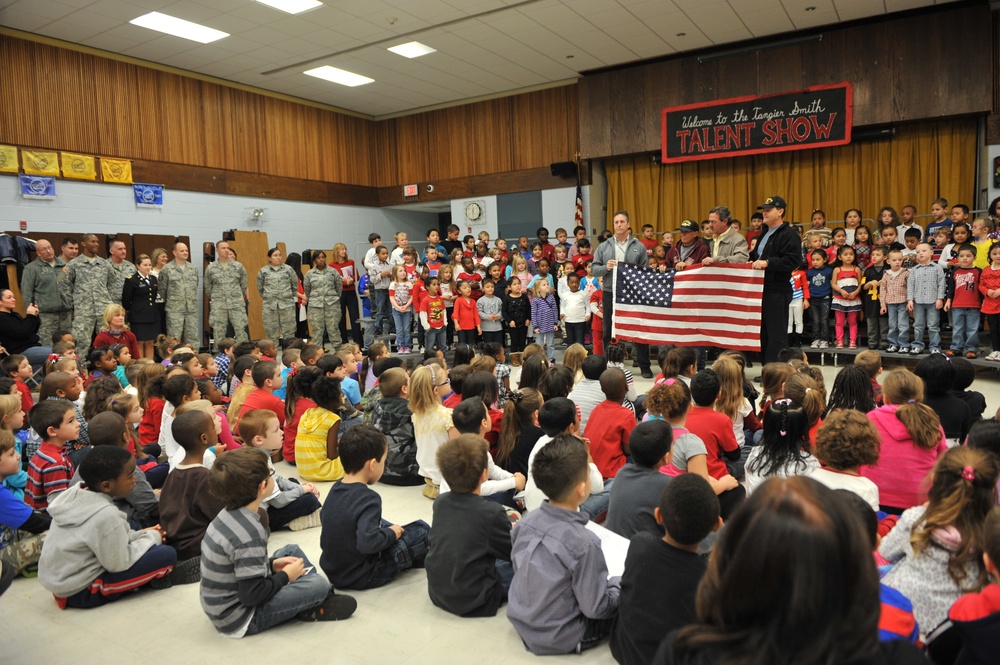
column 647, row 374
column 187, row 571
column 336, row 607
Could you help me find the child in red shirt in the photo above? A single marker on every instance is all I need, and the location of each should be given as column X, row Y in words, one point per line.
column 267, row 377
column 584, row 255
column 50, row 471
column 610, row 424
column 18, row 368
column 433, row 316
column 597, row 321
column 470, row 275
column 715, row 429
column 466, row 315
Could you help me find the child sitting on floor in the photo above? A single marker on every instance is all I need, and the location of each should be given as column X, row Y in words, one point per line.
column 243, row 591
column 468, row 557
column 21, row 528
column 977, row 615
column 610, row 424
column 50, row 471
column 561, row 600
column 639, row 484
column 360, row 549
column 91, row 556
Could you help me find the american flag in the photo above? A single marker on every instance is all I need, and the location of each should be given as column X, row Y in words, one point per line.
column 716, row 305
column 578, row 218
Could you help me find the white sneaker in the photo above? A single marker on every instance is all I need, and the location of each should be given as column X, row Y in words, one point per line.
column 995, row 356
column 815, row 344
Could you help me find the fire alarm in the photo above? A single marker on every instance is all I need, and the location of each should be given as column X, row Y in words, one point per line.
column 24, row 225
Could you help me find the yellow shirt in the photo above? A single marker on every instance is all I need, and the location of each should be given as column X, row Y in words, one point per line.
column 310, row 446
column 982, row 253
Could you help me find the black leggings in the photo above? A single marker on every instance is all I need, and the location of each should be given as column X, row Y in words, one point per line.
column 349, row 304
column 994, row 322
column 518, row 337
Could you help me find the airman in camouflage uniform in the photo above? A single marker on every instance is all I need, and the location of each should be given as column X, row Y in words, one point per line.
column 40, row 284
column 226, row 288
column 87, row 284
column 179, row 287
column 323, row 287
column 277, row 284
column 120, row 269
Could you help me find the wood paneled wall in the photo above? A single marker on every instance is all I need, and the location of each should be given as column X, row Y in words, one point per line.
column 516, row 133
column 902, row 69
column 67, row 100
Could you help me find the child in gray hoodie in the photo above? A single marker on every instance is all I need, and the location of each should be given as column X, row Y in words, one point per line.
column 92, row 556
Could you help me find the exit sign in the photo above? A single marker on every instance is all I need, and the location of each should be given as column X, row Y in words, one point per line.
column 409, row 190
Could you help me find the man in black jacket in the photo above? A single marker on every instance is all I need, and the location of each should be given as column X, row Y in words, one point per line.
column 778, row 253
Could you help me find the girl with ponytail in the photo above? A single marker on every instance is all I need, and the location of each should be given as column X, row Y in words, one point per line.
column 784, row 449
column 912, row 441
column 519, row 430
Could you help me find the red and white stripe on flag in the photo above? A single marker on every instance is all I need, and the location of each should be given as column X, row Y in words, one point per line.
column 578, row 216
column 716, row 305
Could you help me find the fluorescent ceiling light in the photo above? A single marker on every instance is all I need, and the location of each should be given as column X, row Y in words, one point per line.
column 292, row 6
column 340, row 76
column 178, row 27
column 412, row 49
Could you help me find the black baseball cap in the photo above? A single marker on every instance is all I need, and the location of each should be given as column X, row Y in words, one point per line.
column 773, row 202
column 688, row 226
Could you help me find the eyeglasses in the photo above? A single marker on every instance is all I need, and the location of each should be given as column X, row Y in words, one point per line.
column 443, row 383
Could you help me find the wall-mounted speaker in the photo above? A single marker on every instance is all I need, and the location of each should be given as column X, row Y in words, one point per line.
column 563, row 169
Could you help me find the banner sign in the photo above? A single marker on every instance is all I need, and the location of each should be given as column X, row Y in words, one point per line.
column 148, row 196
column 81, row 167
column 37, row 162
column 37, row 186
column 8, row 159
column 812, row 118
column 116, row 170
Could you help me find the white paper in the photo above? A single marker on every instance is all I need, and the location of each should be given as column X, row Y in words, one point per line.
column 615, row 548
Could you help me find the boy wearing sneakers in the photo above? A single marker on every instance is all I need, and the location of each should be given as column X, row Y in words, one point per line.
column 468, row 560
column 561, row 600
column 243, row 591
column 91, row 555
column 360, row 549
column 925, row 292
column 662, row 573
column 963, row 301
column 892, row 298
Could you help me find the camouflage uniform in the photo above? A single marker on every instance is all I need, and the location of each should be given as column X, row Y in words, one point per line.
column 41, row 283
column 225, row 286
column 323, row 289
column 179, row 286
column 86, row 286
column 277, row 286
column 119, row 274
column 20, row 549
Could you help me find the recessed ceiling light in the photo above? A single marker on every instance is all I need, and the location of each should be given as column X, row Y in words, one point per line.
column 178, row 27
column 343, row 77
column 412, row 49
column 810, row 9
column 292, row 6
column 681, row 34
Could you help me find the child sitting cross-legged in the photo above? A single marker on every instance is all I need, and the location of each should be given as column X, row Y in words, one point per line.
column 662, row 573
column 289, row 504
column 21, row 528
column 91, row 555
column 186, row 505
column 639, row 484
column 243, row 591
column 360, row 549
column 468, row 560
column 561, row 600
column 49, row 471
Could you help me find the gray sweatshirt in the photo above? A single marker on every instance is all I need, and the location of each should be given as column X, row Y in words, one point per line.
column 489, row 306
column 88, row 536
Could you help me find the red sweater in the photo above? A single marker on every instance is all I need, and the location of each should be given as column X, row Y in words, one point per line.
column 127, row 338
column 27, row 401
column 291, row 428
column 149, row 426
column 608, row 429
column 466, row 314
column 261, row 399
column 716, row 431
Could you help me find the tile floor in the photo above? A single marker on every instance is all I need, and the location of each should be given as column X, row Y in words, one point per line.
column 394, row 625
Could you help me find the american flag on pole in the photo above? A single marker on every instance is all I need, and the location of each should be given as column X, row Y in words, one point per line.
column 716, row 305
column 578, row 219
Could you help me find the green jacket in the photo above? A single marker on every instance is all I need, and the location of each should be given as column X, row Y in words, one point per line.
column 40, row 284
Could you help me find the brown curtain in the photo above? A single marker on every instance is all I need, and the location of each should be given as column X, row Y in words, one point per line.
column 922, row 162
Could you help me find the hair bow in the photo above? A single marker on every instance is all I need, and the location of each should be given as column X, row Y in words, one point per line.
column 969, row 473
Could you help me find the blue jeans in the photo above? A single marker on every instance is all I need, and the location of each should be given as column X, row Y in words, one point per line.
column 965, row 328
column 926, row 316
column 303, row 594
column 435, row 337
column 402, row 321
column 407, row 552
column 383, row 320
column 505, row 570
column 899, row 324
column 37, row 355
column 546, row 340
column 819, row 313
column 598, row 503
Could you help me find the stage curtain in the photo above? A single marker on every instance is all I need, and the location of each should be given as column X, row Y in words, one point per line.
column 922, row 162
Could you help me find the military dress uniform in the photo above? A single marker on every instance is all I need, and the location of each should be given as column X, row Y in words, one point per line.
column 179, row 288
column 41, row 284
column 277, row 286
column 119, row 273
column 86, row 286
column 225, row 287
column 323, row 288
column 139, row 300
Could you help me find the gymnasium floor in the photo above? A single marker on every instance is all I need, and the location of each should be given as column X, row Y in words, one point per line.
column 396, row 624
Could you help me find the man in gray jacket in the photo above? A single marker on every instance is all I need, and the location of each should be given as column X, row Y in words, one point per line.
column 226, row 290
column 40, row 285
column 728, row 244
column 620, row 248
